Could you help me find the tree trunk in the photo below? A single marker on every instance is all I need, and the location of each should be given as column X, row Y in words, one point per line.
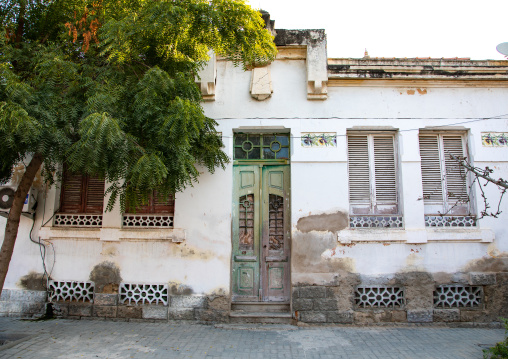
column 11, row 228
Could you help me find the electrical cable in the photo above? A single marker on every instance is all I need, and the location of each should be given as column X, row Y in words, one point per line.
column 380, row 118
column 42, row 250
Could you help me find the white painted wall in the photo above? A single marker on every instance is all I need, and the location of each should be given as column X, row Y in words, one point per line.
column 318, row 185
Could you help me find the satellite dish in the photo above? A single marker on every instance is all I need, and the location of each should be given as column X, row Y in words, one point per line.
column 502, row 48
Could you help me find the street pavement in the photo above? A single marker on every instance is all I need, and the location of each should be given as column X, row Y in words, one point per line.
column 61, row 338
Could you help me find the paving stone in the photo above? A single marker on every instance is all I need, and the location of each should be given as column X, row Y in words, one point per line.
column 106, row 311
column 188, row 301
column 313, row 292
column 181, row 314
column 399, row 316
column 102, row 338
column 105, row 299
column 28, row 296
column 302, row 304
column 482, row 278
column 155, row 312
column 296, row 293
column 446, row 315
column 312, row 317
column 339, row 317
column 80, row 309
column 130, row 312
column 419, row 316
column 5, row 296
column 325, row 304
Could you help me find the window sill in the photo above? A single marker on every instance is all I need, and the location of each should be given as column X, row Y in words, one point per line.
column 175, row 235
column 413, row 236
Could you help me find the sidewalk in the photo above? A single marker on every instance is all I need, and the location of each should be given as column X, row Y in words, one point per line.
column 108, row 339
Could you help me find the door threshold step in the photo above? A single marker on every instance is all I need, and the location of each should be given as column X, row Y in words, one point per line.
column 256, row 307
column 242, row 317
column 259, row 314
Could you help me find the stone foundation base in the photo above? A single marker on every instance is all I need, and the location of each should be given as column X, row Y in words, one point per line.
column 22, row 303
column 28, row 304
column 414, row 297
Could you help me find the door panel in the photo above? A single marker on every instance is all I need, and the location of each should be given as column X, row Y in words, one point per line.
column 275, row 234
column 245, row 276
column 261, row 230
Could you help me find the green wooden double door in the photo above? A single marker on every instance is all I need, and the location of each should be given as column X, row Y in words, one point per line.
column 261, row 233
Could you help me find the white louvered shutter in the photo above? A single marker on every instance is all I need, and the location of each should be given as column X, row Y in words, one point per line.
column 456, row 189
column 358, row 164
column 431, row 169
column 384, row 164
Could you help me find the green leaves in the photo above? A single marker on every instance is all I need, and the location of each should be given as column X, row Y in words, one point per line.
column 125, row 108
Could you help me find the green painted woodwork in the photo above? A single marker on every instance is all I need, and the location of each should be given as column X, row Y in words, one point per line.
column 261, row 233
column 248, row 146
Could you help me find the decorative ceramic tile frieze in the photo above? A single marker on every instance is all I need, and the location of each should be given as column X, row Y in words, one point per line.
column 458, row 296
column 495, row 139
column 319, row 139
column 379, row 297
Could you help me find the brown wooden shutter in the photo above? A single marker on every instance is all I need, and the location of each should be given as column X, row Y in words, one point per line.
column 71, row 191
column 456, row 188
column 163, row 205
column 81, row 194
column 358, row 164
column 384, row 164
column 432, row 178
column 94, row 200
column 155, row 205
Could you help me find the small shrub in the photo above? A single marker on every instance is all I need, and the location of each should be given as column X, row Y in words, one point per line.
column 500, row 350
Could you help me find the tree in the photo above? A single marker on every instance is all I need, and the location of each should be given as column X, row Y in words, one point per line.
column 483, row 177
column 107, row 88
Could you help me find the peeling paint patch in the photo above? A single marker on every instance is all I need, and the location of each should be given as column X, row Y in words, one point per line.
column 106, row 276
column 422, row 91
column 332, row 222
column 410, row 92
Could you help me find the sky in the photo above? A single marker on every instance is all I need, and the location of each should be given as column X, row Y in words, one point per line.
column 398, row 28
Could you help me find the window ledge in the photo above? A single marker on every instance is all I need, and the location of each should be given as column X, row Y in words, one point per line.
column 175, row 235
column 454, row 234
column 411, row 236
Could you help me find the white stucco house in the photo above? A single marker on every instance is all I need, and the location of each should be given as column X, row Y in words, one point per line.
column 340, row 204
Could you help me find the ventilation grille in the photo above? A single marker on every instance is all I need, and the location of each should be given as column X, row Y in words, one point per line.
column 71, row 291
column 450, row 221
column 78, row 220
column 379, row 297
column 143, row 293
column 147, row 221
column 456, row 296
column 375, row 222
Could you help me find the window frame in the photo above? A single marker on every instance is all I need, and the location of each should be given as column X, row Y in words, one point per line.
column 446, row 205
column 85, row 193
column 355, row 207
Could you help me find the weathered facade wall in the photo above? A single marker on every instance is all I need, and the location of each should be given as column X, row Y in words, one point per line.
column 329, row 260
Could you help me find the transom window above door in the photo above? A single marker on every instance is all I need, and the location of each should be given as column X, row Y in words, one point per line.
column 261, row 146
